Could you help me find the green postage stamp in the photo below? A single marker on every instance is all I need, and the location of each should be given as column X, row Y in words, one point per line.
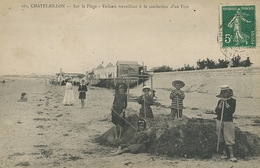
column 238, row 26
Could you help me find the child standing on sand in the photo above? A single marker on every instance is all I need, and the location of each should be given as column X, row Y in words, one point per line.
column 118, row 108
column 82, row 92
column 225, row 127
column 177, row 96
column 146, row 100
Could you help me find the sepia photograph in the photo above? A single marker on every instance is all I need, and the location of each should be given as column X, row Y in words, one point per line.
column 129, row 83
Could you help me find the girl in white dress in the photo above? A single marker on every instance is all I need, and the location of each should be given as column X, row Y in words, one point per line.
column 69, row 96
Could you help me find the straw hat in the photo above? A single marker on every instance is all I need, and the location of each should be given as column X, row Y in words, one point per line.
column 178, row 82
column 146, row 87
column 225, row 88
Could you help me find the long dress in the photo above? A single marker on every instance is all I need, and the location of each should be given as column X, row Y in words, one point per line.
column 69, row 96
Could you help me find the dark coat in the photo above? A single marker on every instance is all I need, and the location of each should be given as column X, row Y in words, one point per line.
column 82, row 91
column 146, row 110
column 228, row 112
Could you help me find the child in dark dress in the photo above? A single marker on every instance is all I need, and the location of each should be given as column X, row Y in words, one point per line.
column 146, row 100
column 82, row 92
column 118, row 109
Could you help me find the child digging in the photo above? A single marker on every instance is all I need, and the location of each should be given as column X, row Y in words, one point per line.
column 224, row 124
column 177, row 96
column 146, row 100
column 118, row 109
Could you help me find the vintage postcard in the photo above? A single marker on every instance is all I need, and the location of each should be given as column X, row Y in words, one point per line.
column 120, row 83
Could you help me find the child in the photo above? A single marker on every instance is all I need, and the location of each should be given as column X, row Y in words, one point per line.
column 69, row 96
column 177, row 97
column 146, row 100
column 140, row 141
column 23, row 98
column 82, row 92
column 118, row 109
column 225, row 125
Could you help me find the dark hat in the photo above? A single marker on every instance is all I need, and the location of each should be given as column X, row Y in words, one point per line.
column 225, row 88
column 120, row 85
column 178, row 82
column 141, row 121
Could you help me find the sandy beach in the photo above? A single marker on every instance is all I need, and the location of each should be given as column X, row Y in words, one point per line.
column 44, row 133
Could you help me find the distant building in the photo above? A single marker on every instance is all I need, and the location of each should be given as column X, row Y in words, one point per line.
column 121, row 69
column 74, row 76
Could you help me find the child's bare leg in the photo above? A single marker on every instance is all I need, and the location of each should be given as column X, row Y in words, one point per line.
column 173, row 113
column 120, row 131
column 82, row 103
column 116, row 128
column 230, row 149
column 180, row 113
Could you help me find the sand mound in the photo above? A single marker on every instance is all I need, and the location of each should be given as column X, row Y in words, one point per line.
column 190, row 138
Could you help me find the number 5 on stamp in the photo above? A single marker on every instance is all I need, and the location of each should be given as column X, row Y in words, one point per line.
column 238, row 26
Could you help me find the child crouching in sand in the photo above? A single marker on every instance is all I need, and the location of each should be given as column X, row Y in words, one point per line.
column 23, row 98
column 118, row 109
column 177, row 96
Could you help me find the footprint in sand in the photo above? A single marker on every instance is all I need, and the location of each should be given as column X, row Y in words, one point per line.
column 14, row 155
column 23, row 164
column 41, row 119
column 39, row 126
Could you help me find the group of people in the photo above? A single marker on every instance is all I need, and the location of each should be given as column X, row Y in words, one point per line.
column 224, row 122
column 69, row 96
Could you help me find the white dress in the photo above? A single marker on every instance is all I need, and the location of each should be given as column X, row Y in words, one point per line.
column 69, row 96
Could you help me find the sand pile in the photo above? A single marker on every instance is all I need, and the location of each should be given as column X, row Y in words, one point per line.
column 189, row 138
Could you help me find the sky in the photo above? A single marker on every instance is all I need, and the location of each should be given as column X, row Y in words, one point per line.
column 43, row 40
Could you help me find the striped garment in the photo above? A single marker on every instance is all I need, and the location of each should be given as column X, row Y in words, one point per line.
column 177, row 99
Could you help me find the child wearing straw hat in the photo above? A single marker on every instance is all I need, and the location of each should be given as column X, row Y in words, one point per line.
column 118, row 109
column 225, row 127
column 177, row 96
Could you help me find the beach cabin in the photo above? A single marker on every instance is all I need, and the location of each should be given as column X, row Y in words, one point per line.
column 121, row 69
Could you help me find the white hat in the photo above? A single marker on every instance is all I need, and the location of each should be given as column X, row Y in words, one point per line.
column 224, row 87
column 146, row 87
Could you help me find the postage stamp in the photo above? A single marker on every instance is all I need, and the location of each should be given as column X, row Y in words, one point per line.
column 238, row 26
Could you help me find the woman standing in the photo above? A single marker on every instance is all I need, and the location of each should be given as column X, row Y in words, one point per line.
column 69, row 96
column 82, row 92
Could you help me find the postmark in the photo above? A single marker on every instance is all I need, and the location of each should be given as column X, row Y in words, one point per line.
column 238, row 26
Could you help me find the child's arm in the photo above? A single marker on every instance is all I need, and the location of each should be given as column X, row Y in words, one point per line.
column 217, row 109
column 173, row 94
column 232, row 106
column 182, row 95
column 125, row 101
column 140, row 100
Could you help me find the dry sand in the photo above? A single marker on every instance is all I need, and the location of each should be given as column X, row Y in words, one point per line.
column 44, row 133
